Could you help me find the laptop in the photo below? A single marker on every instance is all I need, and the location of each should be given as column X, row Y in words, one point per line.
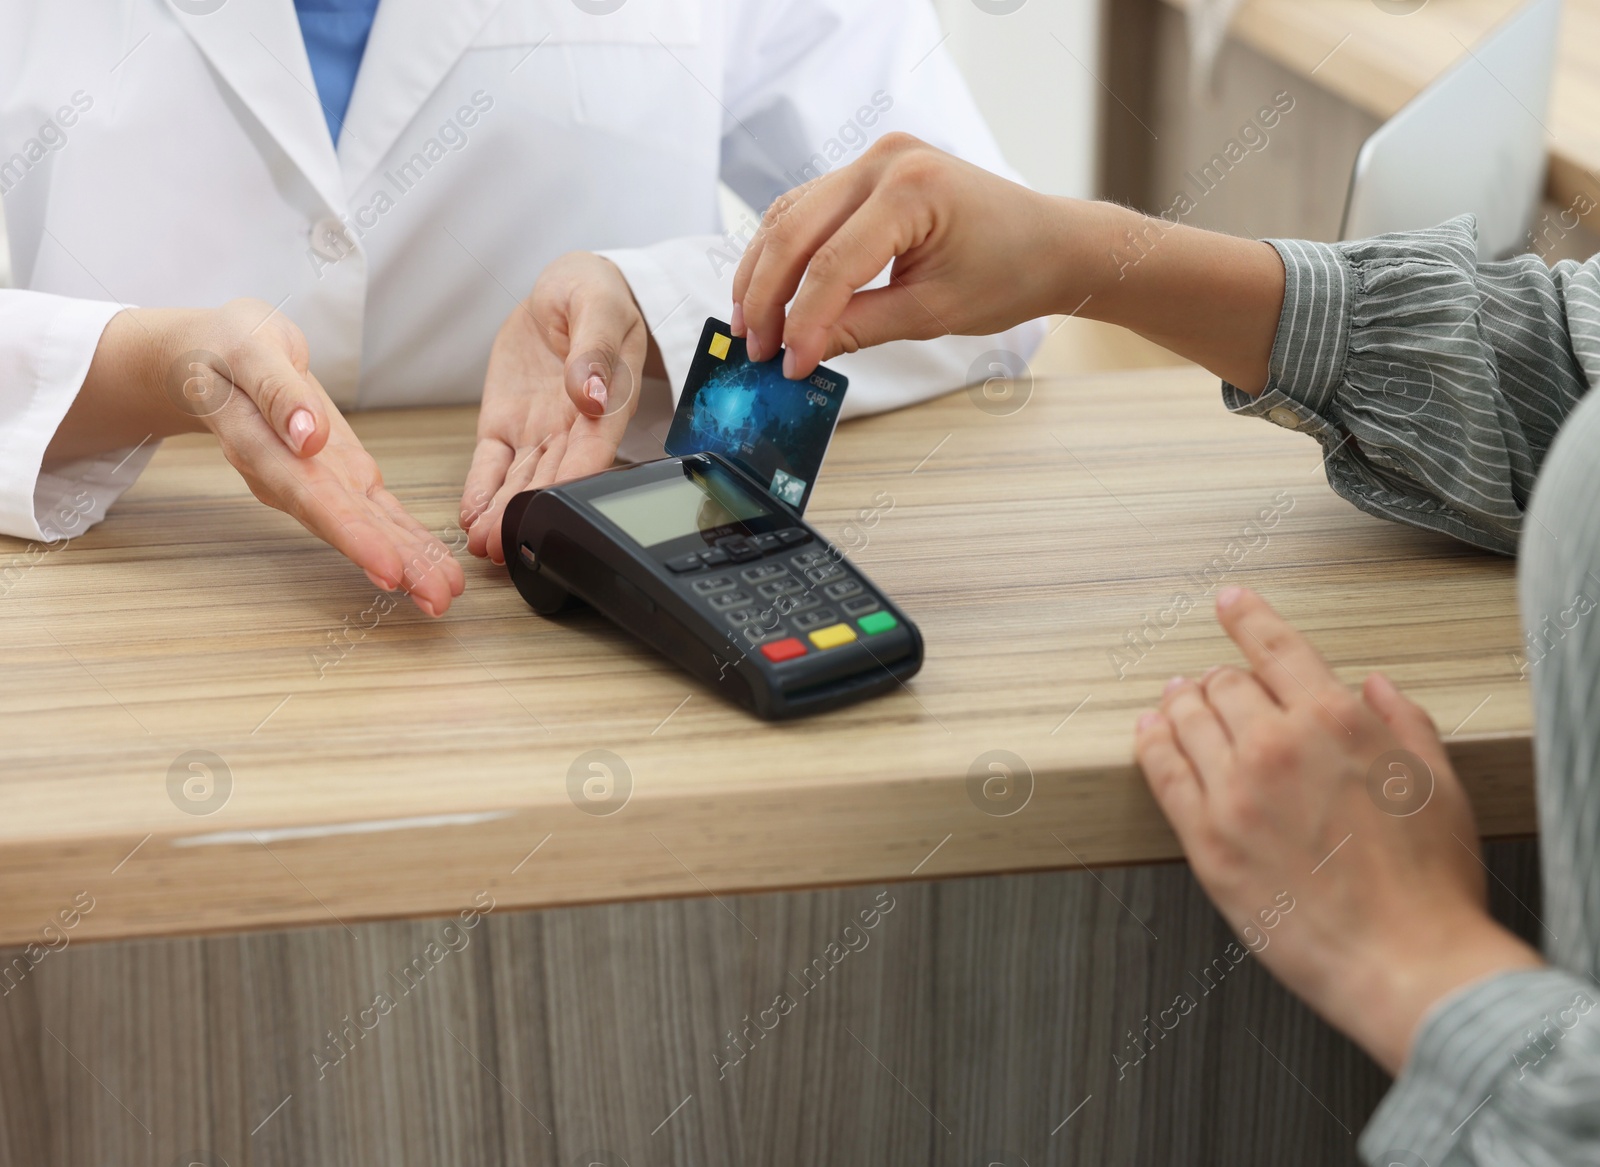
column 1474, row 140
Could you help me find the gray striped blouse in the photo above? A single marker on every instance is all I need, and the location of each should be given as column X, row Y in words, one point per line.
column 1436, row 386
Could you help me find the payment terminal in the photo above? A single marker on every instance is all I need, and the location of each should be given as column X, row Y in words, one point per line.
column 716, row 572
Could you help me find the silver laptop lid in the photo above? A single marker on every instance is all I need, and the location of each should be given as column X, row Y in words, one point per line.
column 1474, row 140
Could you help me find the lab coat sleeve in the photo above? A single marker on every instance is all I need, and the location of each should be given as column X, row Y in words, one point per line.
column 46, row 345
column 808, row 85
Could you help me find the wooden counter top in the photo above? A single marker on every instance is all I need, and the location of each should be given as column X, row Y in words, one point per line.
column 1379, row 61
column 429, row 761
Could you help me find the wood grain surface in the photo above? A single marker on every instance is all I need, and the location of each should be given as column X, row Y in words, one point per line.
column 431, row 760
column 1379, row 60
column 978, row 1022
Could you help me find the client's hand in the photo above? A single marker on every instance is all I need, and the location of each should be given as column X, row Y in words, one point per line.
column 563, row 380
column 1288, row 790
column 242, row 371
column 973, row 254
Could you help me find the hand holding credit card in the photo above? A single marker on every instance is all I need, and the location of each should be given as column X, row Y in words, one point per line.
column 775, row 430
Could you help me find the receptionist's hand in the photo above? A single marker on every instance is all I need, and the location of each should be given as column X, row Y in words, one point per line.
column 563, row 381
column 1329, row 829
column 242, row 371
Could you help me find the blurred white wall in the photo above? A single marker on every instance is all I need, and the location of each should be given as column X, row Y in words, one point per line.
column 1032, row 66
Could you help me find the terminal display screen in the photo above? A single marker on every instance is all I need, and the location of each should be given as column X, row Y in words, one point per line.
column 702, row 501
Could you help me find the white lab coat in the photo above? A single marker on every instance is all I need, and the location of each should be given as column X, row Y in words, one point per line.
column 174, row 153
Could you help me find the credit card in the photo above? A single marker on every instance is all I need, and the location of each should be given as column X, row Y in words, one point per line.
column 775, row 430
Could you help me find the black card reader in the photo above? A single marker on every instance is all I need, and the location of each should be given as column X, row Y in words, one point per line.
column 701, row 563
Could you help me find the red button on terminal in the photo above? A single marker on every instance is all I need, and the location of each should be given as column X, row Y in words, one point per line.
column 782, row 650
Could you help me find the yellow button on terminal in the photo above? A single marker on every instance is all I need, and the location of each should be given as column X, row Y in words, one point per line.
column 833, row 636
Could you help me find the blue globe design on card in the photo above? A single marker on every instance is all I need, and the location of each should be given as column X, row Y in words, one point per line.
column 773, row 429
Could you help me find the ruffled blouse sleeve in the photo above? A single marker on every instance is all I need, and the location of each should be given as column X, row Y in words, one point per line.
column 1435, row 384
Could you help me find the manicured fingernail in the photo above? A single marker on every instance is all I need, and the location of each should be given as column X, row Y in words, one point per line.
column 752, row 346
column 1227, row 597
column 736, row 321
column 1149, row 719
column 1171, row 685
column 596, row 389
column 788, row 365
column 301, row 426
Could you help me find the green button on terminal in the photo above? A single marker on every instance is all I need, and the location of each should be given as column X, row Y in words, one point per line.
column 877, row 622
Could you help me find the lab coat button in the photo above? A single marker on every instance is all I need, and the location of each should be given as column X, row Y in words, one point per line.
column 1284, row 416
column 330, row 240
